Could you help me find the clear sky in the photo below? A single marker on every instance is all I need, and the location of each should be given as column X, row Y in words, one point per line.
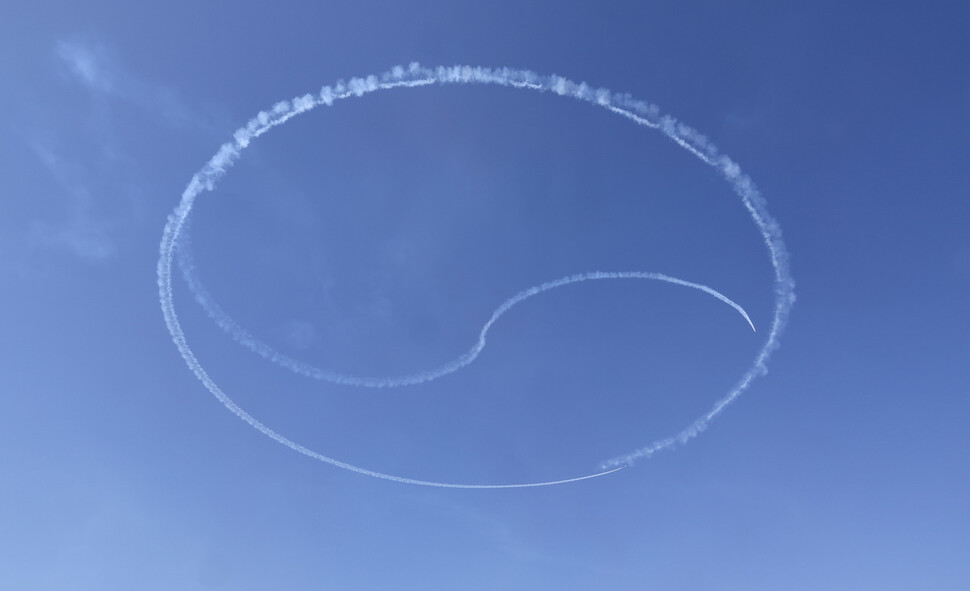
column 377, row 236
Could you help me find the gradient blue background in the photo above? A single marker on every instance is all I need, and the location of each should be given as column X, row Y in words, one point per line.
column 378, row 235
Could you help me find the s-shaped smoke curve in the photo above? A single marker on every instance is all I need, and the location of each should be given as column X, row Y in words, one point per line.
column 224, row 321
column 640, row 112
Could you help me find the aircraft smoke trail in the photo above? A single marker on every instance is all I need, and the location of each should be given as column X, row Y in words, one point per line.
column 414, row 75
column 186, row 264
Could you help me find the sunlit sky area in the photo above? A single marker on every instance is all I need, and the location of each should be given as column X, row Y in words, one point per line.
column 376, row 237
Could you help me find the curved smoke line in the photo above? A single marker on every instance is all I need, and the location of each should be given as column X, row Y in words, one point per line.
column 186, row 264
column 638, row 111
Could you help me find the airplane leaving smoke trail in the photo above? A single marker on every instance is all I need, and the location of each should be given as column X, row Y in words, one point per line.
column 186, row 264
column 640, row 112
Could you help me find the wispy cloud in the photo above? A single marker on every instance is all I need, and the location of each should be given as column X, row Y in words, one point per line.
column 96, row 68
column 83, row 233
column 89, row 197
column 87, row 238
column 88, row 63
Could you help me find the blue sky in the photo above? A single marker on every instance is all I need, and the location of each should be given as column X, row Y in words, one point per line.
column 378, row 235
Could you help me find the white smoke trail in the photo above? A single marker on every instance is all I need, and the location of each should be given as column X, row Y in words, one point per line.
column 241, row 335
column 638, row 111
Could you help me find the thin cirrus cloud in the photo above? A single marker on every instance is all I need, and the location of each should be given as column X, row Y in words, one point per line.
column 80, row 231
column 87, row 62
column 93, row 194
column 94, row 67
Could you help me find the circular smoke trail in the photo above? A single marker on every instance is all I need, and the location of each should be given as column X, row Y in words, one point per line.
column 638, row 111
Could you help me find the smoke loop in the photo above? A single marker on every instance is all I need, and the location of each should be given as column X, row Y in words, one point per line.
column 640, row 112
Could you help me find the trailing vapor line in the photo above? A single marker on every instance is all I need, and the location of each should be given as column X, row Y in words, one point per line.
column 640, row 112
column 186, row 264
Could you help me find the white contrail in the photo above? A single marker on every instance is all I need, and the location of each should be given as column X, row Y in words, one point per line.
column 640, row 112
column 241, row 335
